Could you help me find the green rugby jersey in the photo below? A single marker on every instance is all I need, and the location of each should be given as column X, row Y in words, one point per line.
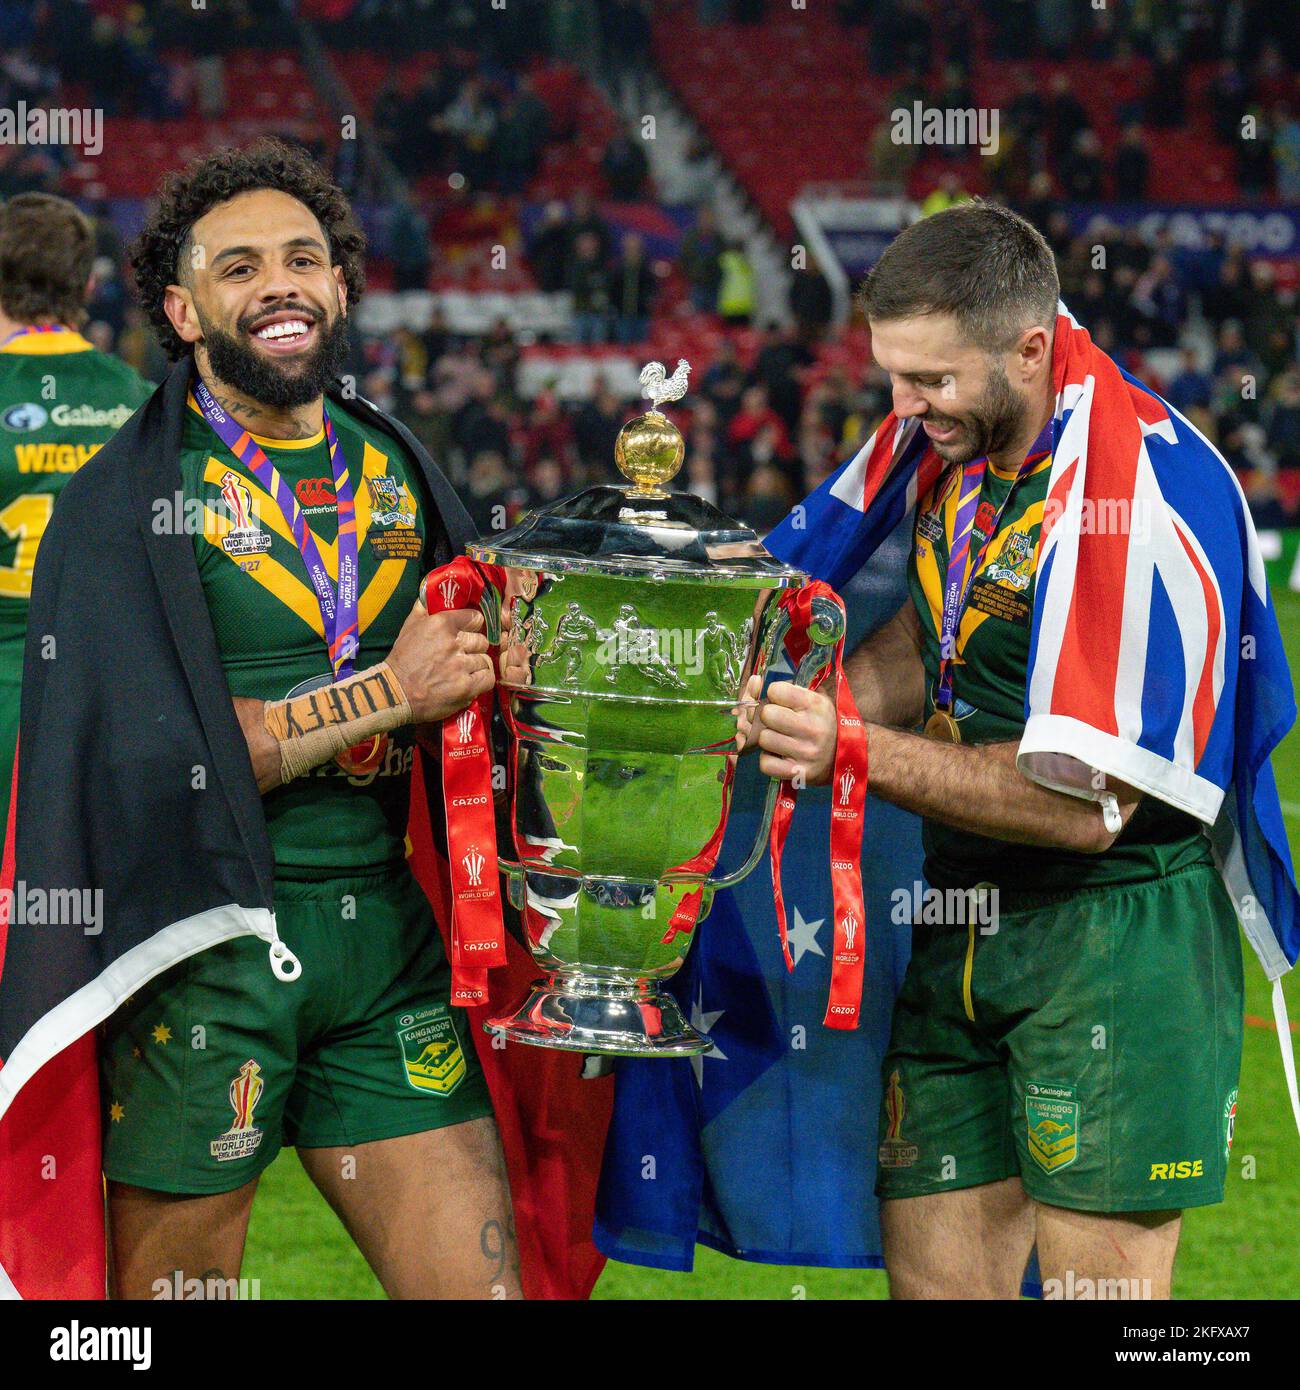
column 268, row 622
column 60, row 401
column 989, row 682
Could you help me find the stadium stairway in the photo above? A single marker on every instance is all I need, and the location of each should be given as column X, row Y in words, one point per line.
column 736, row 212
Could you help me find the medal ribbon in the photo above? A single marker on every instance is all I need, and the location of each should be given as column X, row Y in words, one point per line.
column 338, row 608
column 960, row 580
column 478, row 933
column 848, row 807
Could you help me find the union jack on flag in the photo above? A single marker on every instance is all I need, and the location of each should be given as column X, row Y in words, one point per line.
column 1155, row 654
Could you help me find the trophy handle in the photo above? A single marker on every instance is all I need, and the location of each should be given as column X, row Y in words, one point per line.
column 824, row 633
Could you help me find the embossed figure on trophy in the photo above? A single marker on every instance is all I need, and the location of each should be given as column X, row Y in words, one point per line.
column 574, row 629
column 630, row 643
column 726, row 652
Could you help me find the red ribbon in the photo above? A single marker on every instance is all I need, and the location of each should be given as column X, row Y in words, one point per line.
column 848, row 803
column 478, row 934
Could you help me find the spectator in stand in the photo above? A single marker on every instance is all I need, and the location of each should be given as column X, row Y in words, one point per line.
column 408, row 244
column 585, row 217
column 493, row 499
column 1040, row 202
column 1190, row 387
column 547, row 482
column 954, row 94
column 1233, row 359
column 701, row 468
column 1065, row 118
column 768, row 498
column 1165, row 102
column 547, row 434
column 549, row 246
column 520, row 137
column 724, row 383
column 699, row 260
column 1083, row 175
column 625, row 167
column 735, row 285
column 1014, row 28
column 1255, row 169
column 781, row 362
column 471, row 122
column 811, row 302
column 1161, row 305
column 1267, row 319
column 500, row 354
column 1227, row 298
column 631, row 291
column 900, row 37
column 482, row 424
column 421, row 415
column 596, row 427
column 1056, row 27
column 1027, row 115
column 587, row 280
column 1227, row 95
column 1132, row 167
column 1286, row 152
column 946, row 194
column 420, row 139
column 1282, row 418
column 757, row 435
column 626, row 43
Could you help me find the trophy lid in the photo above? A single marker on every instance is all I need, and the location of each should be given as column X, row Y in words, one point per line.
column 641, row 529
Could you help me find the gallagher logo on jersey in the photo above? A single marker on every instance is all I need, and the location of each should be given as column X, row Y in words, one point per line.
column 21, row 419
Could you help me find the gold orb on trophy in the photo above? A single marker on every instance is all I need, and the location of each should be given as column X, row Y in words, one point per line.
column 650, row 449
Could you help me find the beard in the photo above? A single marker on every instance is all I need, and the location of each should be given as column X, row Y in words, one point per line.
column 993, row 424
column 280, row 384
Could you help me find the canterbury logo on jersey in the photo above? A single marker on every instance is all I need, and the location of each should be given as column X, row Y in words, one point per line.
column 53, row 458
column 315, row 492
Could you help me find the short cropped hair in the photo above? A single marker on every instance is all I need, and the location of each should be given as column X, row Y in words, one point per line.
column 981, row 263
column 47, row 250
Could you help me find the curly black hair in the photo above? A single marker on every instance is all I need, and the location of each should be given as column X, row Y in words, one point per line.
column 160, row 251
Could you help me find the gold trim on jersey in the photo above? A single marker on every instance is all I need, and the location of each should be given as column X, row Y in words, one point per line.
column 283, row 584
column 48, row 344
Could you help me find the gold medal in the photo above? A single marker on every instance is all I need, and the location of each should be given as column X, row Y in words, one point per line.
column 942, row 726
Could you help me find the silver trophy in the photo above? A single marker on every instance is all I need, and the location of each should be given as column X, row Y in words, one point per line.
column 644, row 612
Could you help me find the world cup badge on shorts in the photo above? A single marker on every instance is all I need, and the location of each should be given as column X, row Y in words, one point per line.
column 431, row 1050
column 243, row 1136
column 1229, row 1122
column 895, row 1151
column 245, row 537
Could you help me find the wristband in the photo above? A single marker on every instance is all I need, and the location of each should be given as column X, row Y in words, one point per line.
column 319, row 725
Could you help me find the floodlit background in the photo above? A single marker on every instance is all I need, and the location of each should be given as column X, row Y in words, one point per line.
column 556, row 191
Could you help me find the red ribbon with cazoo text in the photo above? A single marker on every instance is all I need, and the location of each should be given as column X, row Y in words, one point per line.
column 478, row 933
column 848, row 805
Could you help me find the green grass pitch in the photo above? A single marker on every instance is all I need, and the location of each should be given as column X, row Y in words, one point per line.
column 1245, row 1248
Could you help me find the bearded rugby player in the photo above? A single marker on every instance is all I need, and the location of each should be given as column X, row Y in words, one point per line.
column 60, row 400
column 1068, row 1079
column 248, row 268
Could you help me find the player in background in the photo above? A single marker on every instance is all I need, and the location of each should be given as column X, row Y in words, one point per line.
column 60, row 400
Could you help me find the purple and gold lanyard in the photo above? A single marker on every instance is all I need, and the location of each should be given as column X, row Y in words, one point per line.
column 338, row 610
column 959, row 582
column 34, row 328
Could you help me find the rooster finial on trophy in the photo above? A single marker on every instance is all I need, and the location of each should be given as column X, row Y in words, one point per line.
column 650, row 449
